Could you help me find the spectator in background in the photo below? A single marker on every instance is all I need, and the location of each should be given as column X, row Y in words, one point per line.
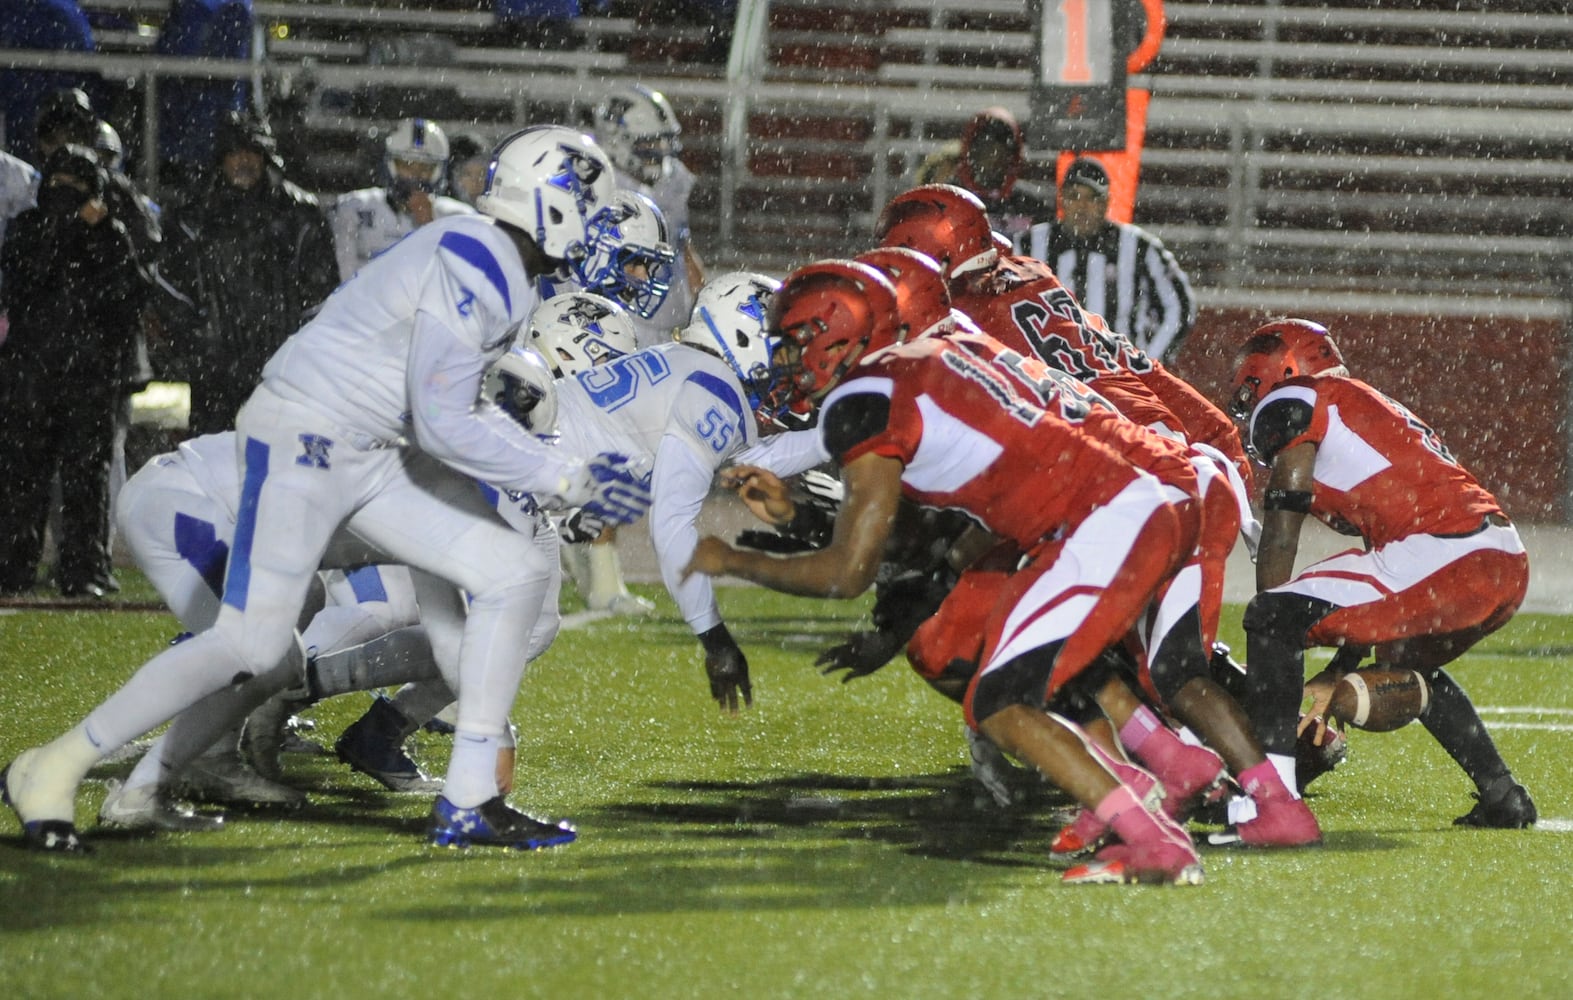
column 1118, row 270
column 415, row 168
column 939, row 166
column 251, row 255
column 56, row 25
column 70, row 279
column 468, row 157
column 989, row 165
column 190, row 109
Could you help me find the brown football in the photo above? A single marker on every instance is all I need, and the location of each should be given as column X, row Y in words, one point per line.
column 1379, row 700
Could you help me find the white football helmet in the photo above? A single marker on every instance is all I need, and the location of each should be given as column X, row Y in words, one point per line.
column 522, row 384
column 729, row 320
column 548, row 180
column 576, row 331
column 417, row 141
column 639, row 130
column 629, row 232
column 108, row 146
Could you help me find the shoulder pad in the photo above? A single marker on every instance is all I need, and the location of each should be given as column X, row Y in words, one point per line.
column 852, row 419
column 1280, row 419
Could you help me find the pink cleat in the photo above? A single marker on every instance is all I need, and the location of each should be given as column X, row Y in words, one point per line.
column 1161, row 862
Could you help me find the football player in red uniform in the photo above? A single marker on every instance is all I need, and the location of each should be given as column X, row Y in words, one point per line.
column 931, row 421
column 1440, row 565
column 1021, row 303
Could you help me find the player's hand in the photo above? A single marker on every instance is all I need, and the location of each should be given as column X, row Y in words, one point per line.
column 619, row 490
column 579, row 527
column 93, row 211
column 762, row 492
column 860, row 655
column 727, row 669
column 710, row 558
column 1320, row 690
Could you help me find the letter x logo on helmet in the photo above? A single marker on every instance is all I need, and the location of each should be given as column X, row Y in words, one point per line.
column 549, row 181
column 576, row 331
column 1282, row 349
column 946, row 222
column 829, row 315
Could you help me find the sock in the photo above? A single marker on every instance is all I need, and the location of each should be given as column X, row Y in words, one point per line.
column 1265, row 780
column 419, row 703
column 472, row 770
column 1241, row 809
column 1452, row 721
column 1142, row 726
column 1115, row 804
column 606, row 574
column 46, row 787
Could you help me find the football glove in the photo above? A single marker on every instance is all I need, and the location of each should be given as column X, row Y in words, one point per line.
column 579, row 527
column 727, row 669
column 619, row 489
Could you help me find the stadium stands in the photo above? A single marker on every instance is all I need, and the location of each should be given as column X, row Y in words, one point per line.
column 1418, row 145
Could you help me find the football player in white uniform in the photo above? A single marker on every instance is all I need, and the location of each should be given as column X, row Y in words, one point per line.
column 628, row 260
column 689, row 408
column 640, row 132
column 368, row 418
column 377, row 628
column 369, row 221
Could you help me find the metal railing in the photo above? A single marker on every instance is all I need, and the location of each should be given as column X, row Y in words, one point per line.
column 1217, row 166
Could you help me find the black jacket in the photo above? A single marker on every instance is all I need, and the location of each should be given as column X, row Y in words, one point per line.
column 68, row 287
column 250, row 268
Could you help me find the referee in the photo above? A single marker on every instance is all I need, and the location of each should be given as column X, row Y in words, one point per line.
column 1117, row 270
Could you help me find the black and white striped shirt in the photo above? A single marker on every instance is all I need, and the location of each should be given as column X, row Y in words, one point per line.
column 1125, row 275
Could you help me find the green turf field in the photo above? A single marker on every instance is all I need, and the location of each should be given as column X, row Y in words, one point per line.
column 825, row 844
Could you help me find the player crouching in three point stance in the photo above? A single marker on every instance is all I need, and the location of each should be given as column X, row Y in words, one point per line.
column 928, row 421
column 1440, row 568
column 387, row 376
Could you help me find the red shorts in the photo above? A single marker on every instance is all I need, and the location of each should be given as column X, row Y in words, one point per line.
column 1086, row 590
column 1421, row 600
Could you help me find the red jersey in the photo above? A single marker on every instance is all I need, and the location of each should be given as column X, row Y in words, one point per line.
column 1022, row 304
column 971, row 437
column 1200, row 420
column 1379, row 469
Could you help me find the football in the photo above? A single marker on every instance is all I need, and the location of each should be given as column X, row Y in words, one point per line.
column 1378, row 700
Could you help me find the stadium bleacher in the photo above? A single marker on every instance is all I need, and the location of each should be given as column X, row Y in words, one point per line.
column 1420, row 144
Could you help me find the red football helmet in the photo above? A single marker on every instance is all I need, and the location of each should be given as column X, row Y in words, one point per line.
column 948, row 223
column 1282, row 349
column 922, row 299
column 828, row 315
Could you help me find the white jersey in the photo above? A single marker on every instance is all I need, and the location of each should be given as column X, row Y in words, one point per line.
column 682, row 409
column 670, row 194
column 397, row 355
column 365, row 224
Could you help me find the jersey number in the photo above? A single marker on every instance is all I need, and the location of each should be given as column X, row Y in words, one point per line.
column 716, row 429
column 611, row 386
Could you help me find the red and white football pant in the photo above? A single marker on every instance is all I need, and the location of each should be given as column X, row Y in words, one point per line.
column 1422, row 600
column 1086, row 590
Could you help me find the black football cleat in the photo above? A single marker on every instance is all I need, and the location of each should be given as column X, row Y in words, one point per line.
column 1513, row 809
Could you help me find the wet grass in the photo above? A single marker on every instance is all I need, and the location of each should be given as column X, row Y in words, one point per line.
column 825, row 844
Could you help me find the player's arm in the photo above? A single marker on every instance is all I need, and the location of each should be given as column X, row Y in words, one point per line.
column 844, row 568
column 1286, row 503
column 786, row 455
column 342, row 221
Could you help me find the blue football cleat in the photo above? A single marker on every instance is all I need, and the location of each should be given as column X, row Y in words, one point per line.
column 493, row 823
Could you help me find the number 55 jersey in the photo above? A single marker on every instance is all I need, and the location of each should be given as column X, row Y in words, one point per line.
column 683, row 410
